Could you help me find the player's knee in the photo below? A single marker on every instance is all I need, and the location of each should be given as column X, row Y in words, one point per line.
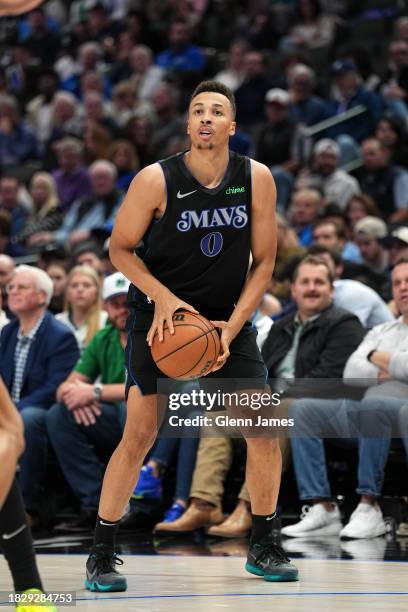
column 138, row 444
column 11, row 444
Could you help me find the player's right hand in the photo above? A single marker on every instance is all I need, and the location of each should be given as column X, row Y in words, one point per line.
column 164, row 308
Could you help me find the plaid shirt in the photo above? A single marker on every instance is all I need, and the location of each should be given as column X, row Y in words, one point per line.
column 20, row 358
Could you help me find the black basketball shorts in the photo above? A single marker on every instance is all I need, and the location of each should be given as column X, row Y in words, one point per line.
column 244, row 364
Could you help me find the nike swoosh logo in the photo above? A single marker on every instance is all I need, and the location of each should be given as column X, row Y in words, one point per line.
column 107, row 524
column 8, row 536
column 269, row 518
column 184, row 195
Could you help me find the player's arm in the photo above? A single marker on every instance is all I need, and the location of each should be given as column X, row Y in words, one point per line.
column 11, row 441
column 263, row 248
column 146, row 196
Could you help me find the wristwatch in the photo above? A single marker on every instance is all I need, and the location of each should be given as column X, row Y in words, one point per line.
column 98, row 387
column 370, row 354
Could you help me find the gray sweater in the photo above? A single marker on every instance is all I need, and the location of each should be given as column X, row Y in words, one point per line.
column 390, row 337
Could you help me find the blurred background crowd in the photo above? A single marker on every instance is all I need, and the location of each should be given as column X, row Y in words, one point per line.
column 91, row 91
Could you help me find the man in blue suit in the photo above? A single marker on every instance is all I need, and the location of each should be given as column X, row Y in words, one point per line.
column 36, row 354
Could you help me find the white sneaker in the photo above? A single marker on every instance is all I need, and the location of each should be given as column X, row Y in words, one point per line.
column 365, row 549
column 326, row 547
column 365, row 522
column 315, row 521
column 402, row 530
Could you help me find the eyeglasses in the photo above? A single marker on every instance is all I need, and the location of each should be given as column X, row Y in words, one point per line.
column 18, row 287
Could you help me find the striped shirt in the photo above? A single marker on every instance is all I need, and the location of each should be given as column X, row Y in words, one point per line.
column 20, row 358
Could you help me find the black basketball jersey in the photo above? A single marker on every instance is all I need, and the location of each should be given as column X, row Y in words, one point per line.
column 200, row 247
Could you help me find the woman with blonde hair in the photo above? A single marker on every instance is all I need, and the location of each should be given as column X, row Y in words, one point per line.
column 46, row 215
column 83, row 304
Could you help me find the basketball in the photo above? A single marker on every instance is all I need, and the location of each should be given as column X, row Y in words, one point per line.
column 191, row 351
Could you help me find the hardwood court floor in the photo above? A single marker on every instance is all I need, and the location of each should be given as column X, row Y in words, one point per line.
column 167, row 583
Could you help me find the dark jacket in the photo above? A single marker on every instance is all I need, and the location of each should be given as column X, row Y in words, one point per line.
column 275, row 143
column 52, row 356
column 324, row 347
column 361, row 126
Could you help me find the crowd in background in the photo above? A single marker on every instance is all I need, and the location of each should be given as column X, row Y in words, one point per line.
column 91, row 91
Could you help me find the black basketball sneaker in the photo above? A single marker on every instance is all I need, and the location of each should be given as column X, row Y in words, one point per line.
column 101, row 574
column 269, row 560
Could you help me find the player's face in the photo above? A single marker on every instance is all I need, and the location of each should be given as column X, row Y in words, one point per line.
column 210, row 121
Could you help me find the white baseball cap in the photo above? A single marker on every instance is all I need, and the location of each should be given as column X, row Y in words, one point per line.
column 371, row 228
column 280, row 96
column 326, row 145
column 115, row 284
column 399, row 235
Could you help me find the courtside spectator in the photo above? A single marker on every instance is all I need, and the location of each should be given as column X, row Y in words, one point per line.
column 275, row 143
column 304, row 208
column 181, row 55
column 144, row 75
column 351, row 294
column 332, row 234
column 83, row 305
column 40, row 108
column 350, row 92
column 305, row 107
column 368, row 232
column 336, row 185
column 386, row 183
column 71, row 176
column 361, row 206
column 46, row 214
column 397, row 244
column 9, row 201
column 90, row 414
column 18, row 143
column 57, row 272
column 233, row 74
column 95, row 211
column 123, row 155
column 90, row 254
column 379, row 365
column 36, row 354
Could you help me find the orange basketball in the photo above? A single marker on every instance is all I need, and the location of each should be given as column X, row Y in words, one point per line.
column 191, row 351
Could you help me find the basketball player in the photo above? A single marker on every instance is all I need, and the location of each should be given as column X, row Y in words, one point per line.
column 199, row 214
column 15, row 536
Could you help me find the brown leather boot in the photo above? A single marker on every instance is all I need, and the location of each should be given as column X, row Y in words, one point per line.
column 196, row 516
column 237, row 525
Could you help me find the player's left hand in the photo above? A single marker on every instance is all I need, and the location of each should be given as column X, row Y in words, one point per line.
column 227, row 336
